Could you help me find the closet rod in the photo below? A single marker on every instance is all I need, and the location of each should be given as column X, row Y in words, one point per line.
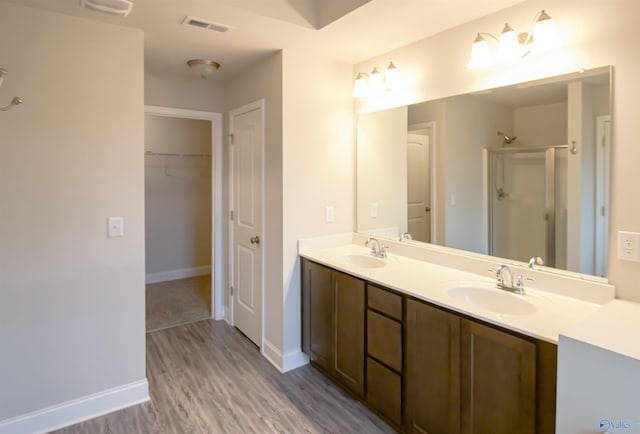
column 172, row 154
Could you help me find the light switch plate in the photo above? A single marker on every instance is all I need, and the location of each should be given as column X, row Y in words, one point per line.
column 115, row 227
column 329, row 214
column 373, row 210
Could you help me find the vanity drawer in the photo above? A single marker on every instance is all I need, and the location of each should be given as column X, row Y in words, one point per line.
column 384, row 340
column 384, row 301
column 384, row 391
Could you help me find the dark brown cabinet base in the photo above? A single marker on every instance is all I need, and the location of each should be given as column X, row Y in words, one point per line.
column 333, row 323
column 423, row 368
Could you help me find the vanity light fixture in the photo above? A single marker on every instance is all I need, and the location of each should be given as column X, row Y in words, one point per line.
column 376, row 82
column 203, row 67
column 512, row 45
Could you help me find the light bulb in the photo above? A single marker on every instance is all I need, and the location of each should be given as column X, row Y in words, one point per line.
column 545, row 35
column 508, row 45
column 360, row 86
column 375, row 82
column 480, row 54
column 391, row 77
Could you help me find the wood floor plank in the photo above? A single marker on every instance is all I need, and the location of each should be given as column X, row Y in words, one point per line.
column 177, row 302
column 206, row 377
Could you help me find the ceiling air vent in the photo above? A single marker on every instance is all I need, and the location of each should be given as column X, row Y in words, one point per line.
column 116, row 7
column 204, row 24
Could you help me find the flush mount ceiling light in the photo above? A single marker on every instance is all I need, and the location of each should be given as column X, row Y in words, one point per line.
column 375, row 83
column 512, row 45
column 203, row 67
column 115, row 7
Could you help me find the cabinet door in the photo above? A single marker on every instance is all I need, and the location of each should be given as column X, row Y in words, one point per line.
column 498, row 381
column 349, row 331
column 433, row 370
column 317, row 315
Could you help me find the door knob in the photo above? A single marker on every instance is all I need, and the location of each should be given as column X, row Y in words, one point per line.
column 255, row 240
column 427, row 209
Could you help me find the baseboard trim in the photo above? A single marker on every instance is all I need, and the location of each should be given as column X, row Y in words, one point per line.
column 284, row 363
column 77, row 410
column 181, row 273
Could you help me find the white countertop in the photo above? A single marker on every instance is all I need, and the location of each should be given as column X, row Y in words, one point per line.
column 553, row 313
column 615, row 327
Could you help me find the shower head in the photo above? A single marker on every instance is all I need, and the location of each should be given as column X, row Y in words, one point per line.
column 14, row 102
column 507, row 139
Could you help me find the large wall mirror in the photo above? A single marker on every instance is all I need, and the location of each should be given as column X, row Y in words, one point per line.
column 515, row 172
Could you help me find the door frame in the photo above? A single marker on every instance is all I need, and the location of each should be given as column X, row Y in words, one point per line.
column 603, row 197
column 229, row 316
column 217, row 231
column 431, row 126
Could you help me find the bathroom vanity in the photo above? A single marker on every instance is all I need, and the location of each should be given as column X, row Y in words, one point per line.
column 398, row 335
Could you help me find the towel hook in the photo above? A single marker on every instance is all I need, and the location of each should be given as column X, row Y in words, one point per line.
column 15, row 101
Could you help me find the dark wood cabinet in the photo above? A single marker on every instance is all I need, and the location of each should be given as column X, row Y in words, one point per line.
column 433, row 370
column 385, row 361
column 498, row 379
column 349, row 331
column 423, row 368
column 317, row 315
column 333, row 323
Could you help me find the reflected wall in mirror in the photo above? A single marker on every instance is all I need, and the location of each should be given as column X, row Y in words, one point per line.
column 513, row 172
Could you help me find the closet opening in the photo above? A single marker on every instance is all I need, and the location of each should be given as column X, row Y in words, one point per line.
column 182, row 254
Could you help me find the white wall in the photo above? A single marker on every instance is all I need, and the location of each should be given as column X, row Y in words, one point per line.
column 470, row 126
column 382, row 150
column 194, row 93
column 594, row 33
column 71, row 299
column 309, row 161
column 318, row 168
column 177, row 198
column 540, row 125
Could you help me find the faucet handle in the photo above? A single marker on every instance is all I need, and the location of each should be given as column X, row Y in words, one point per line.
column 520, row 282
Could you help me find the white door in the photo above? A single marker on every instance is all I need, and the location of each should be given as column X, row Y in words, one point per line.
column 246, row 127
column 418, row 187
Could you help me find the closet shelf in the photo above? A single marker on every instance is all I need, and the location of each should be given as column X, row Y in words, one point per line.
column 173, row 154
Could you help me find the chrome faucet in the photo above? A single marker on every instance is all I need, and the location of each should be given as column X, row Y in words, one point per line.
column 536, row 260
column 517, row 287
column 377, row 248
column 405, row 236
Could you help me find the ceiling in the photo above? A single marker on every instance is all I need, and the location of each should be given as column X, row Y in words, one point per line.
column 350, row 31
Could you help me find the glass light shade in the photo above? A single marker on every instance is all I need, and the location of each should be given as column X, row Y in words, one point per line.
column 508, row 45
column 391, row 77
column 203, row 67
column 480, row 54
column 360, row 86
column 545, row 35
column 375, row 82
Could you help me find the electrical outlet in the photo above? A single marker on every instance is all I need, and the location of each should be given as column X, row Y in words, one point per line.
column 628, row 243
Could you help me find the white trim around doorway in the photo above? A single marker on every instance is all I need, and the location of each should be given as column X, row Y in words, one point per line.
column 217, row 234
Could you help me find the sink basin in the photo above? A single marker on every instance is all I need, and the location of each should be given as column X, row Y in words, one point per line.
column 495, row 300
column 362, row 261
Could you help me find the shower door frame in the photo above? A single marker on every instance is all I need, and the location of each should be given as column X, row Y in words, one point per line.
column 550, row 195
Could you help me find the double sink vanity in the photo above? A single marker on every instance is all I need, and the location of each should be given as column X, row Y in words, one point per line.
column 424, row 338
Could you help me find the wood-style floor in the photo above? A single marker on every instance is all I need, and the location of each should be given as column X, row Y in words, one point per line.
column 177, row 302
column 206, row 377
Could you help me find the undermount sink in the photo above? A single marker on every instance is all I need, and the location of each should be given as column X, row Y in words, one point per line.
column 362, row 261
column 495, row 300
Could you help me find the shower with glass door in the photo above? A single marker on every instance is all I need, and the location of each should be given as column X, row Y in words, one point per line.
column 526, row 203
